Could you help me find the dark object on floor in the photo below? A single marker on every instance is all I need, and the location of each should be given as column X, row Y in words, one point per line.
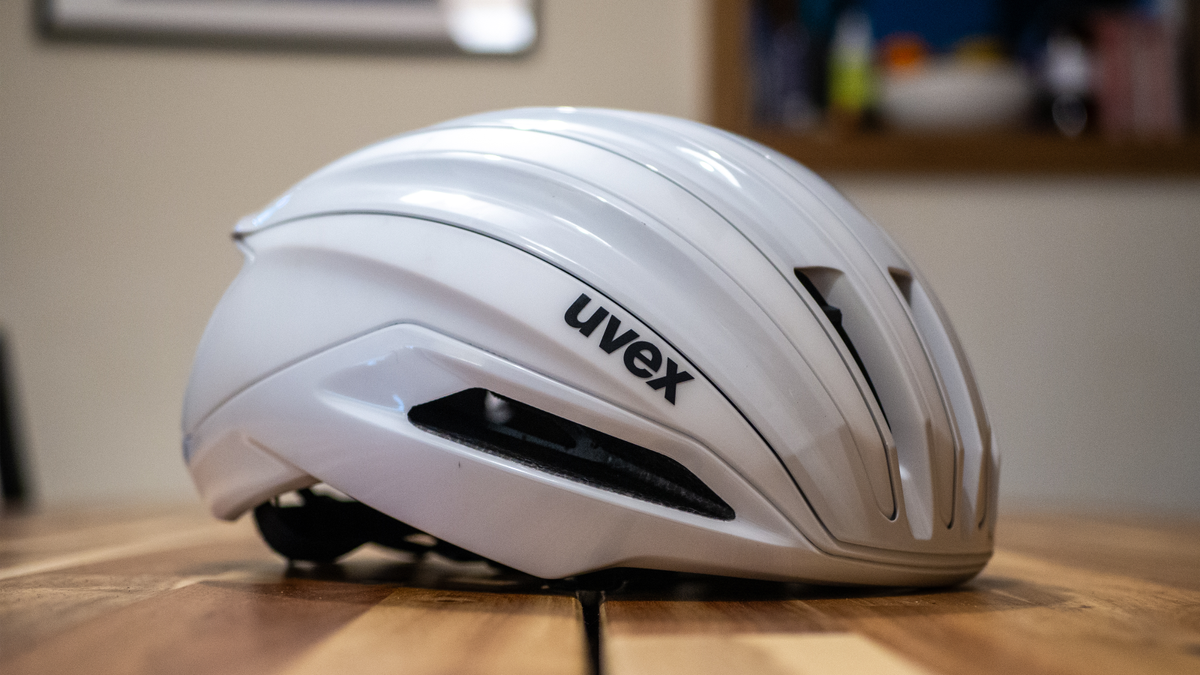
column 13, row 485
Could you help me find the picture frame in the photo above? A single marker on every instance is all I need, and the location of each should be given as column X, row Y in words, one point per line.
column 479, row 27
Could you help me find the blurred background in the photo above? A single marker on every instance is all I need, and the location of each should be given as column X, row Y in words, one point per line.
column 1038, row 160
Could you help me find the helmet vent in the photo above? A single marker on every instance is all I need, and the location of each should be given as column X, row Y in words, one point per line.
column 515, row 431
column 834, row 315
column 903, row 281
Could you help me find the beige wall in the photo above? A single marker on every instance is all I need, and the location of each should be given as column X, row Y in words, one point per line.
column 123, row 168
column 1078, row 302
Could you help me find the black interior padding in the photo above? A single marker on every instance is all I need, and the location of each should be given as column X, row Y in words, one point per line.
column 835, row 317
column 322, row 529
column 524, row 434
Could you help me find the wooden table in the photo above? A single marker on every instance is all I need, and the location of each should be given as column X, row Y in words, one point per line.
column 170, row 591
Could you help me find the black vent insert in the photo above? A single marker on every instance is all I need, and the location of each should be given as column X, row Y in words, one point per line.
column 513, row 430
column 835, row 317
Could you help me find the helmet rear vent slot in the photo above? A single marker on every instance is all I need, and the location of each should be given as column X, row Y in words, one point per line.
column 806, row 276
column 904, row 282
column 501, row 426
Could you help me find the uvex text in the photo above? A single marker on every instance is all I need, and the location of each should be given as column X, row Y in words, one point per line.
column 642, row 358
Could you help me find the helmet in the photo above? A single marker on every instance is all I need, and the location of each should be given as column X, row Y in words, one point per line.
column 568, row 340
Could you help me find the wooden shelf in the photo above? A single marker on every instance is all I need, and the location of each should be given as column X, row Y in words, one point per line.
column 995, row 153
column 882, row 151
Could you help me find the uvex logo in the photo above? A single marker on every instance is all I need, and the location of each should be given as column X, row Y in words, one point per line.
column 642, row 358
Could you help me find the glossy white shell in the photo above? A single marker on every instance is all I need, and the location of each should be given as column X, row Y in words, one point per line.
column 467, row 242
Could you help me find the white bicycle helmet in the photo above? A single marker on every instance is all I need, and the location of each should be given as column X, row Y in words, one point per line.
column 569, row 340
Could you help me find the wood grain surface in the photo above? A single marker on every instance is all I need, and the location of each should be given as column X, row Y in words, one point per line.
column 1062, row 595
column 171, row 591
column 181, row 593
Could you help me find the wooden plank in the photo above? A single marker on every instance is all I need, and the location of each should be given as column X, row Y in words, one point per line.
column 46, row 596
column 417, row 631
column 226, row 625
column 1165, row 551
column 1031, row 616
column 159, row 541
column 164, row 599
column 1062, row 595
column 28, row 539
column 1024, row 614
column 762, row 654
column 36, row 607
column 769, row 636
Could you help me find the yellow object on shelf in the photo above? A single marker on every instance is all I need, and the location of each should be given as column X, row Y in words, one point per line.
column 851, row 75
